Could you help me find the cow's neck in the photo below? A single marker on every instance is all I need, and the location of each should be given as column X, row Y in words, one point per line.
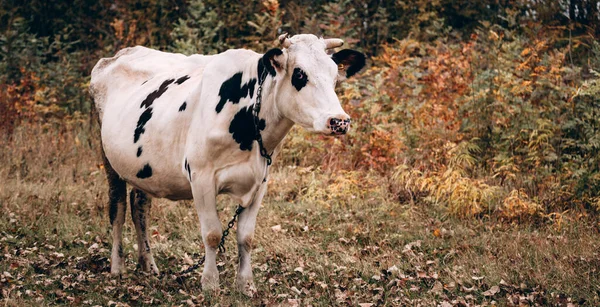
column 276, row 125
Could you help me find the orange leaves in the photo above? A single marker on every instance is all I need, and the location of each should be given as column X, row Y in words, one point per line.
column 532, row 55
column 471, row 122
column 518, row 206
column 17, row 101
column 127, row 33
column 415, row 92
column 381, row 151
column 271, row 5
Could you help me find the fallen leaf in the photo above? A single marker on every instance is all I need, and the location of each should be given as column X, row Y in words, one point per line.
column 57, row 255
column 93, row 248
column 296, row 290
column 409, row 246
column 469, row 289
column 187, row 260
column 340, row 296
column 437, row 288
column 492, row 291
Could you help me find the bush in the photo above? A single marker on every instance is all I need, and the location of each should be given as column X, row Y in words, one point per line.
column 486, row 108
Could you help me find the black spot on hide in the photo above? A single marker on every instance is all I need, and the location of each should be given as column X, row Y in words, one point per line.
column 187, row 168
column 145, row 82
column 145, row 172
column 299, row 78
column 242, row 128
column 147, row 103
column 233, row 90
column 157, row 93
column 251, row 85
column 139, row 152
column 139, row 129
column 261, row 67
column 268, row 61
column 182, row 79
column 183, row 106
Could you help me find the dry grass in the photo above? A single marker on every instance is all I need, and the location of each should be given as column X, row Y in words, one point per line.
column 344, row 239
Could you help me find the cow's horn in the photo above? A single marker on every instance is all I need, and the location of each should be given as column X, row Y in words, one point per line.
column 284, row 40
column 333, row 43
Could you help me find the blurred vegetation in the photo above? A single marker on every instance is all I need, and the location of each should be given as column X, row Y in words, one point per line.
column 487, row 108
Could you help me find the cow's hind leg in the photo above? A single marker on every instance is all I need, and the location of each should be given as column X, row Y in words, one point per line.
column 140, row 205
column 117, row 195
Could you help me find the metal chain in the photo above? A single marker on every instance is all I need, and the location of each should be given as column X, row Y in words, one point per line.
column 221, row 244
column 229, row 226
column 255, row 112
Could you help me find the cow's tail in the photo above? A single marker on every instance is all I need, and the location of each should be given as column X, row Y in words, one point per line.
column 117, row 192
column 117, row 187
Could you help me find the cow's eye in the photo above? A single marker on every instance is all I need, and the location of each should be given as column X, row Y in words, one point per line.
column 299, row 78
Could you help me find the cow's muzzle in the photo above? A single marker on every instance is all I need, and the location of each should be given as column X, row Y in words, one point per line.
column 339, row 126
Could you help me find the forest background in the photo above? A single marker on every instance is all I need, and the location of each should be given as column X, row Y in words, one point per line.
column 482, row 111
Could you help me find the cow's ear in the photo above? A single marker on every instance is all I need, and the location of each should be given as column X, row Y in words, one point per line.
column 349, row 62
column 274, row 61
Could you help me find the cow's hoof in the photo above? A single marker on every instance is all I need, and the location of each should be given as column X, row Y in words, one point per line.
column 116, row 272
column 210, row 283
column 154, row 269
column 117, row 268
column 246, row 286
column 147, row 265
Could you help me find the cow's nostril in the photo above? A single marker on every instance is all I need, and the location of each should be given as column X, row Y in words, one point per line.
column 334, row 121
column 338, row 125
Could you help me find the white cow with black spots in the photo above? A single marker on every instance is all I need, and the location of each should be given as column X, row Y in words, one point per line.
column 182, row 127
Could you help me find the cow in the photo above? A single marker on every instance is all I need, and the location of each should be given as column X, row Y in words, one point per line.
column 192, row 127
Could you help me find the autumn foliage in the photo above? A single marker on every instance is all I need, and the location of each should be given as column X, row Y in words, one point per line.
column 476, row 107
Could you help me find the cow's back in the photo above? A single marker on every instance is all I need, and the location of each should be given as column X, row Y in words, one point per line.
column 138, row 94
column 133, row 66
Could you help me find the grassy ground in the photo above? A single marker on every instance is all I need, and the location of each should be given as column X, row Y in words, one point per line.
column 358, row 246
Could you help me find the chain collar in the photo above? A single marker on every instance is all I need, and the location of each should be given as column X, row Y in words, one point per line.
column 256, row 120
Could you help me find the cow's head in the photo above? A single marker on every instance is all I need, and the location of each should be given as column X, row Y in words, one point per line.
column 306, row 76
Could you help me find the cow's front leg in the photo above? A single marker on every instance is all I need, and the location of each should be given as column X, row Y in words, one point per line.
column 205, row 201
column 140, row 205
column 245, row 236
